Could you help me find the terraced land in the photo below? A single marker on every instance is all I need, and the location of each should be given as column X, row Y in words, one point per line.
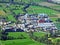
column 11, row 9
column 28, row 1
column 22, row 42
column 39, row 9
column 40, row 34
column 26, row 41
column 2, row 12
column 8, row 11
column 51, row 5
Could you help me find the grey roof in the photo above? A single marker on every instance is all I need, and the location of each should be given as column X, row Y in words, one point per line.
column 45, row 24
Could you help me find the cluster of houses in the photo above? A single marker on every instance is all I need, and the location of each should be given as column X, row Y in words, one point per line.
column 30, row 21
column 56, row 1
column 8, row 0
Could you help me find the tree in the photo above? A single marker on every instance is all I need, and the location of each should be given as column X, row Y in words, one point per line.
column 58, row 20
column 0, row 34
column 3, row 35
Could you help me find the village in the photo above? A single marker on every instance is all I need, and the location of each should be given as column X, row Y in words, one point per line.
column 29, row 21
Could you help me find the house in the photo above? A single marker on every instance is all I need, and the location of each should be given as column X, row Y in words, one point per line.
column 2, row 22
column 41, row 21
column 28, row 19
column 14, row 28
column 31, row 21
column 42, row 15
column 21, row 18
column 56, row 1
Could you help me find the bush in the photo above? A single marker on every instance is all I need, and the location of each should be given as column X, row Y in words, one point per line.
column 58, row 20
column 10, row 38
column 4, row 35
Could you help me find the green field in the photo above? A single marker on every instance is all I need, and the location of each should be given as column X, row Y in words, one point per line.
column 17, row 34
column 16, row 9
column 21, row 42
column 11, row 18
column 39, row 9
column 28, row 1
column 8, row 11
column 57, row 25
column 26, row 41
column 54, row 19
column 40, row 34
